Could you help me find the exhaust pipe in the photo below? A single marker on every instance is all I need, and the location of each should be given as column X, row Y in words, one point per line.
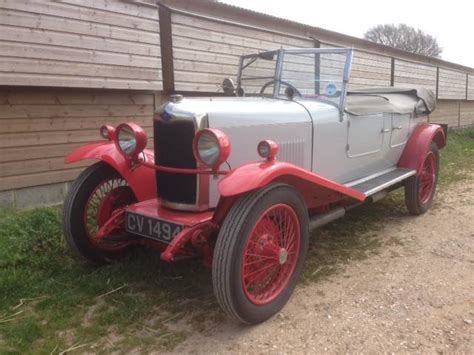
column 322, row 219
column 378, row 196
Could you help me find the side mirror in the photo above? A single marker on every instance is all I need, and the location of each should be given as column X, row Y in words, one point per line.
column 267, row 56
column 228, row 86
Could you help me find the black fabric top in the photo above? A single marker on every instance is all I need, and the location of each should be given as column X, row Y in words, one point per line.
column 418, row 101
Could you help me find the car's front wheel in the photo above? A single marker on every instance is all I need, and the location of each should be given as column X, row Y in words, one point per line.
column 420, row 189
column 259, row 253
column 94, row 196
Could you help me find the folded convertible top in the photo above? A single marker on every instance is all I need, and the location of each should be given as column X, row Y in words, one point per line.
column 418, row 101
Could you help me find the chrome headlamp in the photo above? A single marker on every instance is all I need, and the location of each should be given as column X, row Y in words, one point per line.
column 211, row 147
column 130, row 139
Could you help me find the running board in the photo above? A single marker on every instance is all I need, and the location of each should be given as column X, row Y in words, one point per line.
column 384, row 181
column 374, row 188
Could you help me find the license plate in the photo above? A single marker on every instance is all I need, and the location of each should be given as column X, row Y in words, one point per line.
column 153, row 228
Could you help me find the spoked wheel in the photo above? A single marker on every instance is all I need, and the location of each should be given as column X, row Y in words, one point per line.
column 95, row 196
column 420, row 189
column 271, row 254
column 428, row 179
column 260, row 252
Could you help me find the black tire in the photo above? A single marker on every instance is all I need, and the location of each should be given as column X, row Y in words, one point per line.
column 229, row 252
column 413, row 200
column 74, row 208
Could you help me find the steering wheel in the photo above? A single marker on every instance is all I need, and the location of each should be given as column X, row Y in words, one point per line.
column 262, row 90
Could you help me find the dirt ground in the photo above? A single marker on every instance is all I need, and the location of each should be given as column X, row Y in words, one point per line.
column 416, row 295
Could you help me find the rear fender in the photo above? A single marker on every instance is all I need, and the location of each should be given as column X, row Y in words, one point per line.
column 141, row 179
column 315, row 189
column 419, row 143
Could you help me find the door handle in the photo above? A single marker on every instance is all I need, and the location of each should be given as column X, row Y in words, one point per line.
column 397, row 127
column 386, row 130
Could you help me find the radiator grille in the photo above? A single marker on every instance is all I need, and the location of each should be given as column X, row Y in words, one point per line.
column 173, row 148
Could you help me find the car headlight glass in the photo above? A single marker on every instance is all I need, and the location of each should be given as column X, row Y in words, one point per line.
column 208, row 148
column 127, row 140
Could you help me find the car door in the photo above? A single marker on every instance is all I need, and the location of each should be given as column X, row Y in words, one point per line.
column 400, row 130
column 364, row 135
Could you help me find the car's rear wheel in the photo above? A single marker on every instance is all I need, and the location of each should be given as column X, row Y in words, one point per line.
column 259, row 253
column 420, row 189
column 94, row 196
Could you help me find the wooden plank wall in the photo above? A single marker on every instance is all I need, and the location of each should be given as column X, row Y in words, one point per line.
column 452, row 84
column 72, row 43
column 447, row 111
column 470, row 82
column 368, row 69
column 39, row 127
column 466, row 113
column 408, row 74
column 206, row 51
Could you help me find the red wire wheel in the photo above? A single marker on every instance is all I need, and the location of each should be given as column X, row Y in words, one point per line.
column 420, row 189
column 259, row 253
column 109, row 195
column 94, row 196
column 427, row 178
column 271, row 254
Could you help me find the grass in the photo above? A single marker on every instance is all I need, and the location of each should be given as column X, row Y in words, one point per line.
column 50, row 301
column 46, row 296
column 457, row 159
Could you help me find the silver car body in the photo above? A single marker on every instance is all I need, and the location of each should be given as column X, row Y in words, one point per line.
column 317, row 135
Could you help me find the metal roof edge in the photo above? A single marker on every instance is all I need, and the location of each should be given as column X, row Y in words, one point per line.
column 299, row 30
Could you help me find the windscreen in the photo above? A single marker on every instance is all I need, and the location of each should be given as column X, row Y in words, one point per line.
column 314, row 75
column 258, row 73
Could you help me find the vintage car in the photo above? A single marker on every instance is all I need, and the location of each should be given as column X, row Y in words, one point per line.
column 239, row 181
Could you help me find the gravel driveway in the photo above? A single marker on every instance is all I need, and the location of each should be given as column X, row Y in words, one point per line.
column 416, row 295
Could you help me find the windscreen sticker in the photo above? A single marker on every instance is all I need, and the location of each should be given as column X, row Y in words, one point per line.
column 330, row 89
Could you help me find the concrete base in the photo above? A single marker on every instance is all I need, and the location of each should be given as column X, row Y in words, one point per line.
column 36, row 196
column 6, row 199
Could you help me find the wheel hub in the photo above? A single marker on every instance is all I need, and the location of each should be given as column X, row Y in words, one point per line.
column 269, row 247
column 283, row 256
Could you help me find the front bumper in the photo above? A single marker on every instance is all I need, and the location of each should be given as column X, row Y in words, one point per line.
column 194, row 225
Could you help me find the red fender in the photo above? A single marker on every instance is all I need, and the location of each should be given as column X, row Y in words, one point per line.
column 316, row 190
column 141, row 179
column 418, row 145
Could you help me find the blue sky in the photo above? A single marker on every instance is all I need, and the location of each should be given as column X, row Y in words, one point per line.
column 452, row 25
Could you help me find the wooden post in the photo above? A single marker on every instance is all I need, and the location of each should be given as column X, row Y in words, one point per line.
column 166, row 38
column 437, row 82
column 459, row 113
column 392, row 72
column 467, row 85
column 317, row 69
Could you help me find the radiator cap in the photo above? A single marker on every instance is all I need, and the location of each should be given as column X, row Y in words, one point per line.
column 176, row 98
